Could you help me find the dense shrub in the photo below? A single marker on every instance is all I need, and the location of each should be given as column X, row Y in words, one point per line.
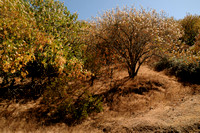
column 182, row 69
column 162, row 64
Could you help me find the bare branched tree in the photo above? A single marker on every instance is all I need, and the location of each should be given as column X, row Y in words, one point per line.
column 134, row 35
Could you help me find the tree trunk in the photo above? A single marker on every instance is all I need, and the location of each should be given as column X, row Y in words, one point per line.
column 131, row 72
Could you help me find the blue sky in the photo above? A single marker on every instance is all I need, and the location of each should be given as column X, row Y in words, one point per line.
column 176, row 8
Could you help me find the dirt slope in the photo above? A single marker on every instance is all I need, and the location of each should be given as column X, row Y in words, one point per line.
column 165, row 106
column 152, row 102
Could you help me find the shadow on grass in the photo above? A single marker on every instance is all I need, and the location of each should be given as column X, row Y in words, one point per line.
column 54, row 105
column 136, row 87
column 72, row 111
column 26, row 91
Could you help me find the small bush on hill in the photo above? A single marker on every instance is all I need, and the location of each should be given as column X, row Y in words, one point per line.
column 162, row 64
column 185, row 71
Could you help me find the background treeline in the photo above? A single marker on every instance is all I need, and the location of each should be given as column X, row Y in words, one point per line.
column 46, row 52
column 185, row 62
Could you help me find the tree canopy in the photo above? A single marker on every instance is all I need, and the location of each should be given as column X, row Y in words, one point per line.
column 41, row 34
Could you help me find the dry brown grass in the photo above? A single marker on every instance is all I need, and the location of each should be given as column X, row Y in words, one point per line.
column 149, row 103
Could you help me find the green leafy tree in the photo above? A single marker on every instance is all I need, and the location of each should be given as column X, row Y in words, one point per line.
column 19, row 38
column 53, row 18
column 39, row 37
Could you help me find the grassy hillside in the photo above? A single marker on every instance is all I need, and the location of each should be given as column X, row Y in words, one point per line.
column 151, row 102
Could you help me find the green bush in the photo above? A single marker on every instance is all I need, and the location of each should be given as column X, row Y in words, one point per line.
column 69, row 104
